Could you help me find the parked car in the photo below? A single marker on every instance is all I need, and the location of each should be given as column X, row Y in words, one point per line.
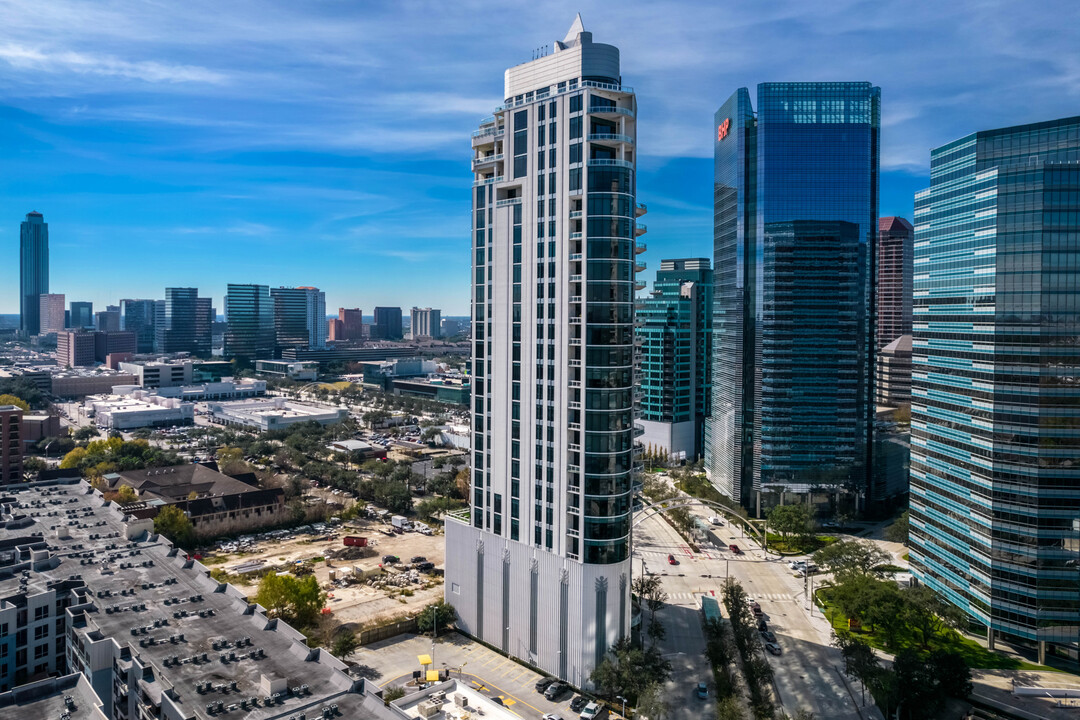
column 543, row 683
column 418, row 559
column 551, row 716
column 671, row 560
column 390, row 559
column 762, row 626
column 555, row 690
column 768, row 636
column 578, row 703
column 425, row 566
column 702, row 690
column 593, row 711
column 773, row 648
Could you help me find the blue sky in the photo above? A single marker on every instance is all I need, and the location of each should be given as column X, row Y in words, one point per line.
column 327, row 143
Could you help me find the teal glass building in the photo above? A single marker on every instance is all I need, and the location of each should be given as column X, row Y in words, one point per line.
column 33, row 271
column 795, row 216
column 995, row 416
column 182, row 322
column 674, row 327
column 249, row 317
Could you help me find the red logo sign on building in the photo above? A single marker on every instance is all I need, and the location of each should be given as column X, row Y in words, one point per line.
column 722, row 129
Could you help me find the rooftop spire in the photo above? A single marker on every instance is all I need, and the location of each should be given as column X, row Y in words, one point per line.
column 575, row 29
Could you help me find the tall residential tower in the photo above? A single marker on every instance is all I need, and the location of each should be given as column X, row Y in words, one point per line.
column 542, row 566
column 33, row 271
column 995, row 407
column 796, row 199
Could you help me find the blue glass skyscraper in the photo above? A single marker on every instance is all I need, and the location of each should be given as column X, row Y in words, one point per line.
column 33, row 271
column 995, row 415
column 795, row 214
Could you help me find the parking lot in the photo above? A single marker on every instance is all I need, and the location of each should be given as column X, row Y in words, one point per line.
column 348, row 603
column 495, row 675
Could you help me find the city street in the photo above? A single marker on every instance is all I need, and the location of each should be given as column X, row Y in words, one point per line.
column 807, row 673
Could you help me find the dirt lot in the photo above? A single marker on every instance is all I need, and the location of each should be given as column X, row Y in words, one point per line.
column 358, row 602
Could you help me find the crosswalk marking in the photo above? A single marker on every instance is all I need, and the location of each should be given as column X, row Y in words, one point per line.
column 683, row 596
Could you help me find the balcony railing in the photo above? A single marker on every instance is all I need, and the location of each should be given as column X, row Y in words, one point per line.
column 496, row 131
column 608, row 162
column 490, row 180
column 604, row 109
column 575, row 256
column 575, row 214
column 477, row 162
column 641, row 209
column 508, row 201
column 640, row 247
column 611, row 137
column 463, row 515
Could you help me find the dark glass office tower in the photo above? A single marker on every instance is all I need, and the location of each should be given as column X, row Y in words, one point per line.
column 138, row 316
column 387, row 323
column 995, row 407
column 299, row 317
column 33, row 271
column 795, row 214
column 182, row 322
column 249, row 317
column 82, row 314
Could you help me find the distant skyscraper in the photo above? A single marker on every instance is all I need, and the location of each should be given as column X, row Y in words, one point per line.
column 249, row 314
column 425, row 323
column 352, row 323
column 675, row 329
column 107, row 321
column 138, row 317
column 51, row 313
column 387, row 323
column 75, row 348
column 82, row 315
column 299, row 318
column 795, row 194
column 995, row 409
column 541, row 568
column 33, row 271
column 182, row 322
column 895, row 251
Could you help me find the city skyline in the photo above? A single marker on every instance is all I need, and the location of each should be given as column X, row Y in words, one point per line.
column 115, row 127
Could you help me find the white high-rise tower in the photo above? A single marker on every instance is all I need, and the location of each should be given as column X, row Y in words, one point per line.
column 540, row 564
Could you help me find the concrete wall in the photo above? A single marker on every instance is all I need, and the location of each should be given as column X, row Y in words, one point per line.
column 533, row 604
column 672, row 437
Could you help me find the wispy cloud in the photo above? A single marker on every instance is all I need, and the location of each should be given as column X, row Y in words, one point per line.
column 31, row 58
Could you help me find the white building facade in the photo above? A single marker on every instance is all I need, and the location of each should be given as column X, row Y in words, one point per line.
column 542, row 569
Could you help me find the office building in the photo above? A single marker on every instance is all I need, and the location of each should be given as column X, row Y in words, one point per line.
column 450, row 328
column 11, row 445
column 107, row 320
column 113, row 343
column 298, row 371
column 425, row 323
column 892, row 307
column 249, row 318
column 137, row 409
column 796, row 193
column 159, row 374
column 277, row 413
column 82, row 315
column 52, row 314
column 299, row 317
column 138, row 316
column 675, row 333
column 543, row 571
column 182, row 323
column 387, row 323
column 351, row 324
column 995, row 406
column 33, row 271
column 75, row 348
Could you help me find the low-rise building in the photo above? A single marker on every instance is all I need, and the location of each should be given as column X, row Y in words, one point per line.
column 273, row 413
column 359, row 448
column 445, row 389
column 299, row 371
column 217, row 504
column 137, row 409
column 74, row 348
column 226, row 389
column 161, row 373
column 39, row 426
column 80, row 382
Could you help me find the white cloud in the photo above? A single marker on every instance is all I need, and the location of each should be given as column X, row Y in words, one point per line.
column 29, row 58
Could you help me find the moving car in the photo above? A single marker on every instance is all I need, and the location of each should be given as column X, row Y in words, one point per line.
column 797, row 564
column 762, row 626
column 716, row 520
column 671, row 560
column 702, row 690
column 734, row 548
column 543, row 683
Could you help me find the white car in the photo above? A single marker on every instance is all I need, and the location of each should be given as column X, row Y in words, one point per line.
column 716, row 520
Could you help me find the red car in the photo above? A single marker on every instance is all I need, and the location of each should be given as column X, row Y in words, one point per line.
column 671, row 560
column 734, row 549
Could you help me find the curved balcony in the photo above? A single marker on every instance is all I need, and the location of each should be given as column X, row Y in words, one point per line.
column 607, row 162
column 640, row 229
column 493, row 132
column 611, row 138
column 604, row 110
column 640, row 209
column 606, row 86
column 486, row 160
column 640, row 266
column 640, row 247
column 639, row 286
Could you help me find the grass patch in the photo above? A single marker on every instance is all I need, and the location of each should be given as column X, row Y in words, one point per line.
column 798, row 546
column 975, row 655
column 905, row 557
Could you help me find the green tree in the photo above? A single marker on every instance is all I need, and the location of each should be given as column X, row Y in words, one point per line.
column 297, row 600
column 175, row 525
column 651, row 703
column 628, row 671
column 126, row 494
column 345, row 643
column 952, row 673
column 729, row 708
column 898, row 531
column 437, row 616
column 86, row 432
column 9, row 399
column 790, row 520
column 853, row 557
column 230, row 461
column 928, row 613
